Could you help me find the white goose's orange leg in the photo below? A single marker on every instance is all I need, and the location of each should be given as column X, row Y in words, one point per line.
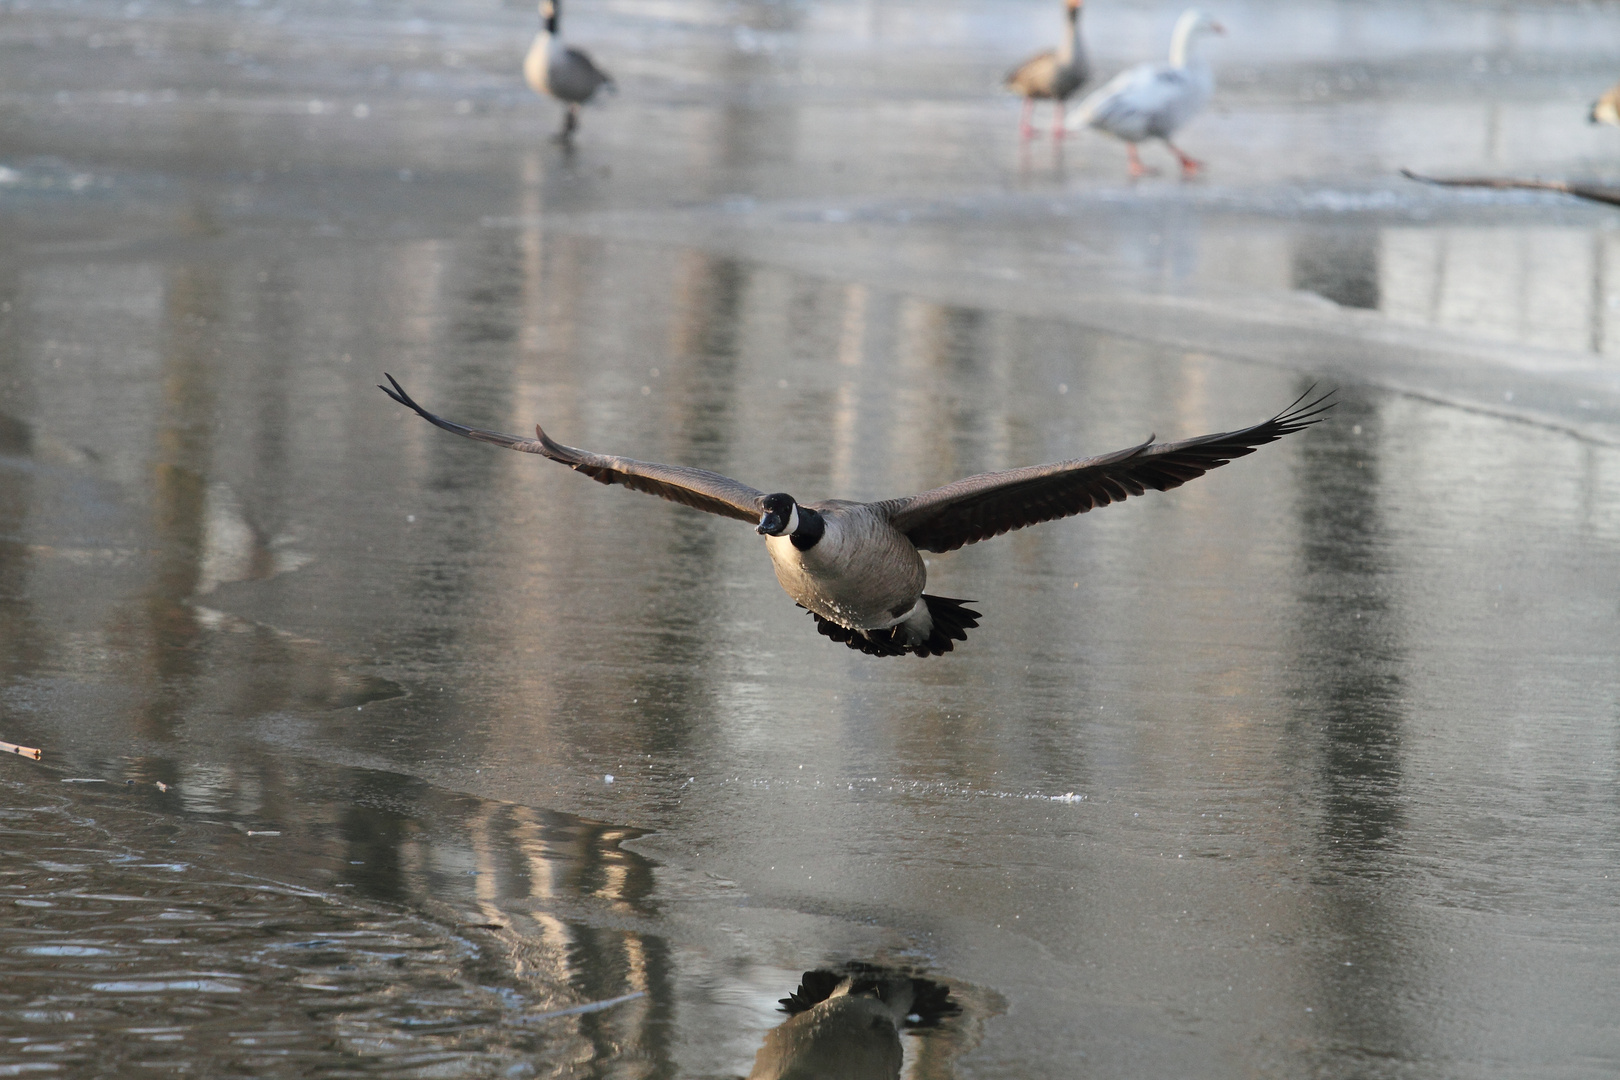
column 1138, row 170
column 1189, row 166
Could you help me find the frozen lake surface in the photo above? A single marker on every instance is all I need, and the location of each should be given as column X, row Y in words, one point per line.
column 371, row 751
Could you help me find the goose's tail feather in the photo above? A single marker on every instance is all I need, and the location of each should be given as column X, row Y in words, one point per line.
column 949, row 619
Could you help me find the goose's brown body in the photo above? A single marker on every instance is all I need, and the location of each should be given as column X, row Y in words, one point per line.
column 1053, row 75
column 863, row 574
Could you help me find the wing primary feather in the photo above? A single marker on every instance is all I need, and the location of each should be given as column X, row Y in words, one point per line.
column 980, row 507
column 701, row 489
column 511, row 442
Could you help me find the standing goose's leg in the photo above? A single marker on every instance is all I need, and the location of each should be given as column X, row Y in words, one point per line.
column 570, row 124
column 1189, row 166
column 1138, row 170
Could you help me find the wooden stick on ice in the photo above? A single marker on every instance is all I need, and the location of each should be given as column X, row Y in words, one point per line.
column 1595, row 192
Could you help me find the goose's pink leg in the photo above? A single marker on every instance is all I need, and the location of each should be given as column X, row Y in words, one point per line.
column 1026, row 130
column 1189, row 166
column 1138, row 170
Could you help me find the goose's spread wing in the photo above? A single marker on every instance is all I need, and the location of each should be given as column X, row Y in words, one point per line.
column 980, row 507
column 699, row 488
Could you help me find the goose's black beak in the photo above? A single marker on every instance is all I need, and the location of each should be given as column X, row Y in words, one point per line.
column 771, row 524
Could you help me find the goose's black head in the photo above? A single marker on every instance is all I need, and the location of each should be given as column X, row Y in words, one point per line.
column 549, row 14
column 784, row 517
column 780, row 516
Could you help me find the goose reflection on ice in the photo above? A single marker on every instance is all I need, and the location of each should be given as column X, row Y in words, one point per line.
column 846, row 1024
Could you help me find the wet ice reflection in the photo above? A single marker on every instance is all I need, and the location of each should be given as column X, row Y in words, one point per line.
column 180, row 964
column 420, row 933
column 1548, row 287
column 1249, row 681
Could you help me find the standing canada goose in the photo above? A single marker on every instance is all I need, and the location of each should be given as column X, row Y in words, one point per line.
column 554, row 67
column 855, row 566
column 1052, row 76
column 1606, row 109
column 1153, row 101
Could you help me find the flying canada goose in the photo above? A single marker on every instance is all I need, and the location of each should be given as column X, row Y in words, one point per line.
column 846, row 1024
column 855, row 566
column 1153, row 101
column 1606, row 109
column 1052, row 76
column 554, row 67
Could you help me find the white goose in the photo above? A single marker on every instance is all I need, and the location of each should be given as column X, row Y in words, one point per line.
column 1153, row 101
column 554, row 67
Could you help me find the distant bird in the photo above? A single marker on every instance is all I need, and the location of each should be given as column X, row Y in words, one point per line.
column 845, row 1025
column 1606, row 109
column 554, row 67
column 856, row 566
column 1153, row 101
column 1052, row 76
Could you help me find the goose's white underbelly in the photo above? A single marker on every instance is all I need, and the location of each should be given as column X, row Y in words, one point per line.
column 861, row 574
column 537, row 63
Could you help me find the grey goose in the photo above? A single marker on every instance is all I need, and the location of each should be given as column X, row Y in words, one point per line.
column 856, row 566
column 554, row 67
column 1051, row 76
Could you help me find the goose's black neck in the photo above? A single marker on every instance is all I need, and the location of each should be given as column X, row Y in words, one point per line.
column 811, row 526
column 552, row 14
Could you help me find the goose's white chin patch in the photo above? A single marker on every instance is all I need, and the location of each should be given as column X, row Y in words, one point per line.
column 792, row 522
